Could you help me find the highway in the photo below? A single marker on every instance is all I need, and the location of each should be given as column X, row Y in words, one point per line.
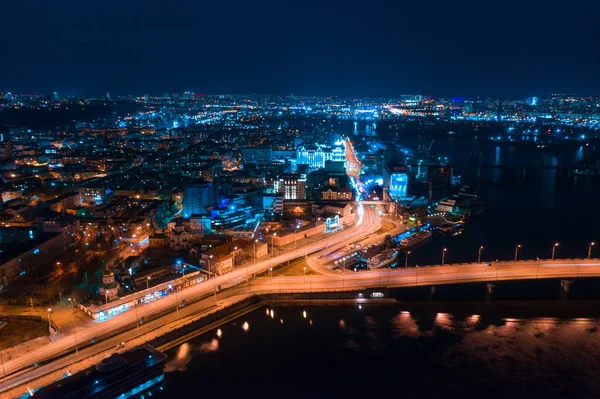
column 348, row 281
column 368, row 222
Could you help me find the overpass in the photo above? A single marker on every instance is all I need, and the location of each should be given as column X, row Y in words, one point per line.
column 565, row 270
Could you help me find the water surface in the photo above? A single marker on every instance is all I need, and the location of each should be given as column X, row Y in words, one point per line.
column 399, row 351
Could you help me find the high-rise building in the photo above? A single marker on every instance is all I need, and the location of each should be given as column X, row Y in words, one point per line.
column 292, row 186
column 198, row 198
column 7, row 150
column 338, row 152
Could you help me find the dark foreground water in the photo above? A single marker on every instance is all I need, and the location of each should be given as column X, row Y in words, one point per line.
column 532, row 350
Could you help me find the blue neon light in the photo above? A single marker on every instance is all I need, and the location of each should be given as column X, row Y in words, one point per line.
column 142, row 387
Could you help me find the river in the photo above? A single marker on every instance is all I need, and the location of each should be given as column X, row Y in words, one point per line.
column 439, row 349
column 534, row 208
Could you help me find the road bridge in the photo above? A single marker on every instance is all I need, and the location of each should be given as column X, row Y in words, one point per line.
column 437, row 275
column 564, row 269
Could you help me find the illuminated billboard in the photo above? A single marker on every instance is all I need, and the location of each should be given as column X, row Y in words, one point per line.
column 398, row 185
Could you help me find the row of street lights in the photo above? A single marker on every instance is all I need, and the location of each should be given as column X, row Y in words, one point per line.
column 517, row 247
column 554, row 246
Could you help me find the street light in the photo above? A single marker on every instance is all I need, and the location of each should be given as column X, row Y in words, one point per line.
column 590, row 249
column 182, row 267
column 49, row 320
column 406, row 259
column 233, row 255
column 517, row 251
column 214, row 276
column 148, row 282
column 273, row 244
column 554, row 249
column 444, row 255
column 479, row 254
column 255, row 241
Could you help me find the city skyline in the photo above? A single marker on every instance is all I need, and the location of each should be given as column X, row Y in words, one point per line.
column 346, row 49
column 354, row 198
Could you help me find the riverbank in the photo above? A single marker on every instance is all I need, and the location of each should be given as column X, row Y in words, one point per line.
column 209, row 313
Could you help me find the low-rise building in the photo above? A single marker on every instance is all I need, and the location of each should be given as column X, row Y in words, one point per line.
column 446, row 205
column 109, row 287
column 336, row 194
column 200, row 222
column 159, row 240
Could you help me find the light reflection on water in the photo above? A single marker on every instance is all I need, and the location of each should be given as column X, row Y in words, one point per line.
column 516, row 348
column 437, row 352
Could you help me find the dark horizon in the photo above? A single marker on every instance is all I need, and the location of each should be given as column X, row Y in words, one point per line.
column 346, row 49
column 102, row 94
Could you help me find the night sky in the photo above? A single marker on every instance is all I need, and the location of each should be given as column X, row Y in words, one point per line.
column 343, row 47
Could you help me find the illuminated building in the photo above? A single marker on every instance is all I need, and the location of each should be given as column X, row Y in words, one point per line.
column 67, row 201
column 338, row 152
column 316, row 155
column 273, row 203
column 93, row 193
column 446, row 205
column 200, row 222
column 11, row 195
column 336, row 193
column 109, row 288
column 242, row 211
column 395, row 180
column 292, row 186
column 198, row 198
column 332, row 222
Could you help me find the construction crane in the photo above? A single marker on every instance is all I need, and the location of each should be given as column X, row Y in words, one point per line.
column 430, row 145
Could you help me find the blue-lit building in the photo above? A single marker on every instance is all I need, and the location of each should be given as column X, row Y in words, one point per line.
column 316, row 155
column 198, row 198
column 395, row 179
column 241, row 211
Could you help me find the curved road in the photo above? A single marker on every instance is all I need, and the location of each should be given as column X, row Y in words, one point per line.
column 423, row 276
column 368, row 222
